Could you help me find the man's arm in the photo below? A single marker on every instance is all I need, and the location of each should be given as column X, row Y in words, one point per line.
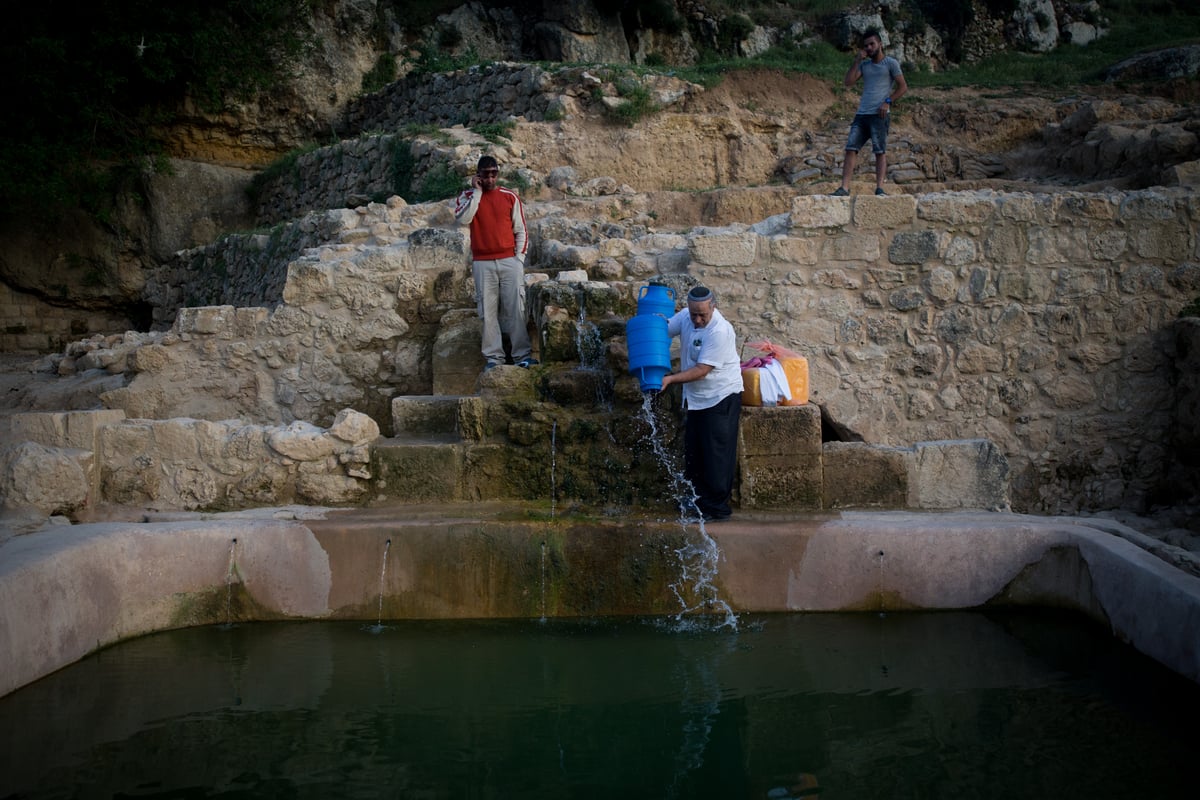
column 688, row 375
column 855, row 71
column 520, row 230
column 900, row 88
column 466, row 206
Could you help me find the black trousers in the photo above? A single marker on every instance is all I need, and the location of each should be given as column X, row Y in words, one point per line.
column 710, row 453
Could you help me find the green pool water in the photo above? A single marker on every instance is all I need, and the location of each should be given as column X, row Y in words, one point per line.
column 928, row 705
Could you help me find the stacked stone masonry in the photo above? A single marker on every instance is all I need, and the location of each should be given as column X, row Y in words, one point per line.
column 1044, row 324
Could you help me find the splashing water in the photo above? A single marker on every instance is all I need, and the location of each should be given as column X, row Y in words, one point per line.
column 589, row 344
column 378, row 626
column 699, row 555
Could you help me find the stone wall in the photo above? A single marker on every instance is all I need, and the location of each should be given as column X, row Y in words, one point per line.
column 1044, row 324
column 29, row 324
column 486, row 93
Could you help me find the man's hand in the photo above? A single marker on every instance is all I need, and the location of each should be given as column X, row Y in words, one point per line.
column 475, row 182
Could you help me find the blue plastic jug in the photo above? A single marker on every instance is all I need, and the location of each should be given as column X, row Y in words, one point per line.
column 649, row 350
column 656, row 299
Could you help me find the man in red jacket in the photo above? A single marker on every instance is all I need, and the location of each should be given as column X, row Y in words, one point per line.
column 498, row 243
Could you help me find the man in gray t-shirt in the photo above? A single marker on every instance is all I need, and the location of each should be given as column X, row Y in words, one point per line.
column 883, row 85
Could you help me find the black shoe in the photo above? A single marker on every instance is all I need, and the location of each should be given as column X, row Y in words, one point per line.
column 841, row 192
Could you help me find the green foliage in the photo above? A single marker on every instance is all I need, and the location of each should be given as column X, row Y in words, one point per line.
column 1192, row 309
column 439, row 183
column 403, row 166
column 87, row 86
column 285, row 166
column 734, row 28
column 431, row 59
column 659, row 15
column 494, row 131
column 380, row 75
column 637, row 106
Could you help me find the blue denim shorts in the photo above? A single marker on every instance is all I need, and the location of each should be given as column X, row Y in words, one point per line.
column 870, row 126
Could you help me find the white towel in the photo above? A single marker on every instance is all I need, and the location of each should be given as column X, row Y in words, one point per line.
column 773, row 383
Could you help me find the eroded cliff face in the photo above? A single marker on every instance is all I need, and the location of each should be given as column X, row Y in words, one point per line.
column 63, row 277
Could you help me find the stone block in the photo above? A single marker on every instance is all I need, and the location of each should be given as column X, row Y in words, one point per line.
column 956, row 208
column 83, row 426
column 851, row 247
column 457, row 360
column 780, row 481
column 47, row 428
column 425, row 415
column 437, row 249
column 892, row 211
column 50, row 480
column 725, row 250
column 820, row 211
column 914, row 247
column 861, row 475
column 780, row 431
column 417, row 472
column 969, row 473
column 796, row 250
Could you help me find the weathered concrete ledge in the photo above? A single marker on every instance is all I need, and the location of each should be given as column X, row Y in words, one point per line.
column 68, row 591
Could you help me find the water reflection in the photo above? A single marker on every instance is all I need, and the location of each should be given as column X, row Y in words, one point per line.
column 860, row 706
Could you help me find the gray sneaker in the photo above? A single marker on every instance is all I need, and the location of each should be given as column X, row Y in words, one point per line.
column 526, row 363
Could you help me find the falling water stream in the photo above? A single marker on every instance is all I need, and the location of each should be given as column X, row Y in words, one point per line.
column 553, row 451
column 543, row 619
column 230, row 576
column 699, row 555
column 378, row 626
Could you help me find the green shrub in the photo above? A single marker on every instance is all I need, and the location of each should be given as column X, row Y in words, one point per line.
column 280, row 167
column 494, row 131
column 659, row 15
column 1192, row 309
column 380, row 75
column 92, row 86
column 439, row 183
column 637, row 106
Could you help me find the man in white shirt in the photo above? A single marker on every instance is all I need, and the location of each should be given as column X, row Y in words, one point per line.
column 711, row 375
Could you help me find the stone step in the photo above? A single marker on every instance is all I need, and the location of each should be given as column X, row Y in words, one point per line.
column 425, row 415
column 425, row 468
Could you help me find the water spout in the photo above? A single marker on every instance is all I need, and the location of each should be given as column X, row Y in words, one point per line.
column 378, row 626
column 230, row 576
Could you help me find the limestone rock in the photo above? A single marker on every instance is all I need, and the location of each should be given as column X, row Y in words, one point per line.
column 1170, row 63
column 49, row 480
column 1035, row 25
column 353, row 427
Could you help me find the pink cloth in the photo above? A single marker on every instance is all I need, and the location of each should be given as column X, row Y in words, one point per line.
column 756, row 362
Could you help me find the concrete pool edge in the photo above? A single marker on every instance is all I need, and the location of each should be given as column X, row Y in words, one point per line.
column 68, row 591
